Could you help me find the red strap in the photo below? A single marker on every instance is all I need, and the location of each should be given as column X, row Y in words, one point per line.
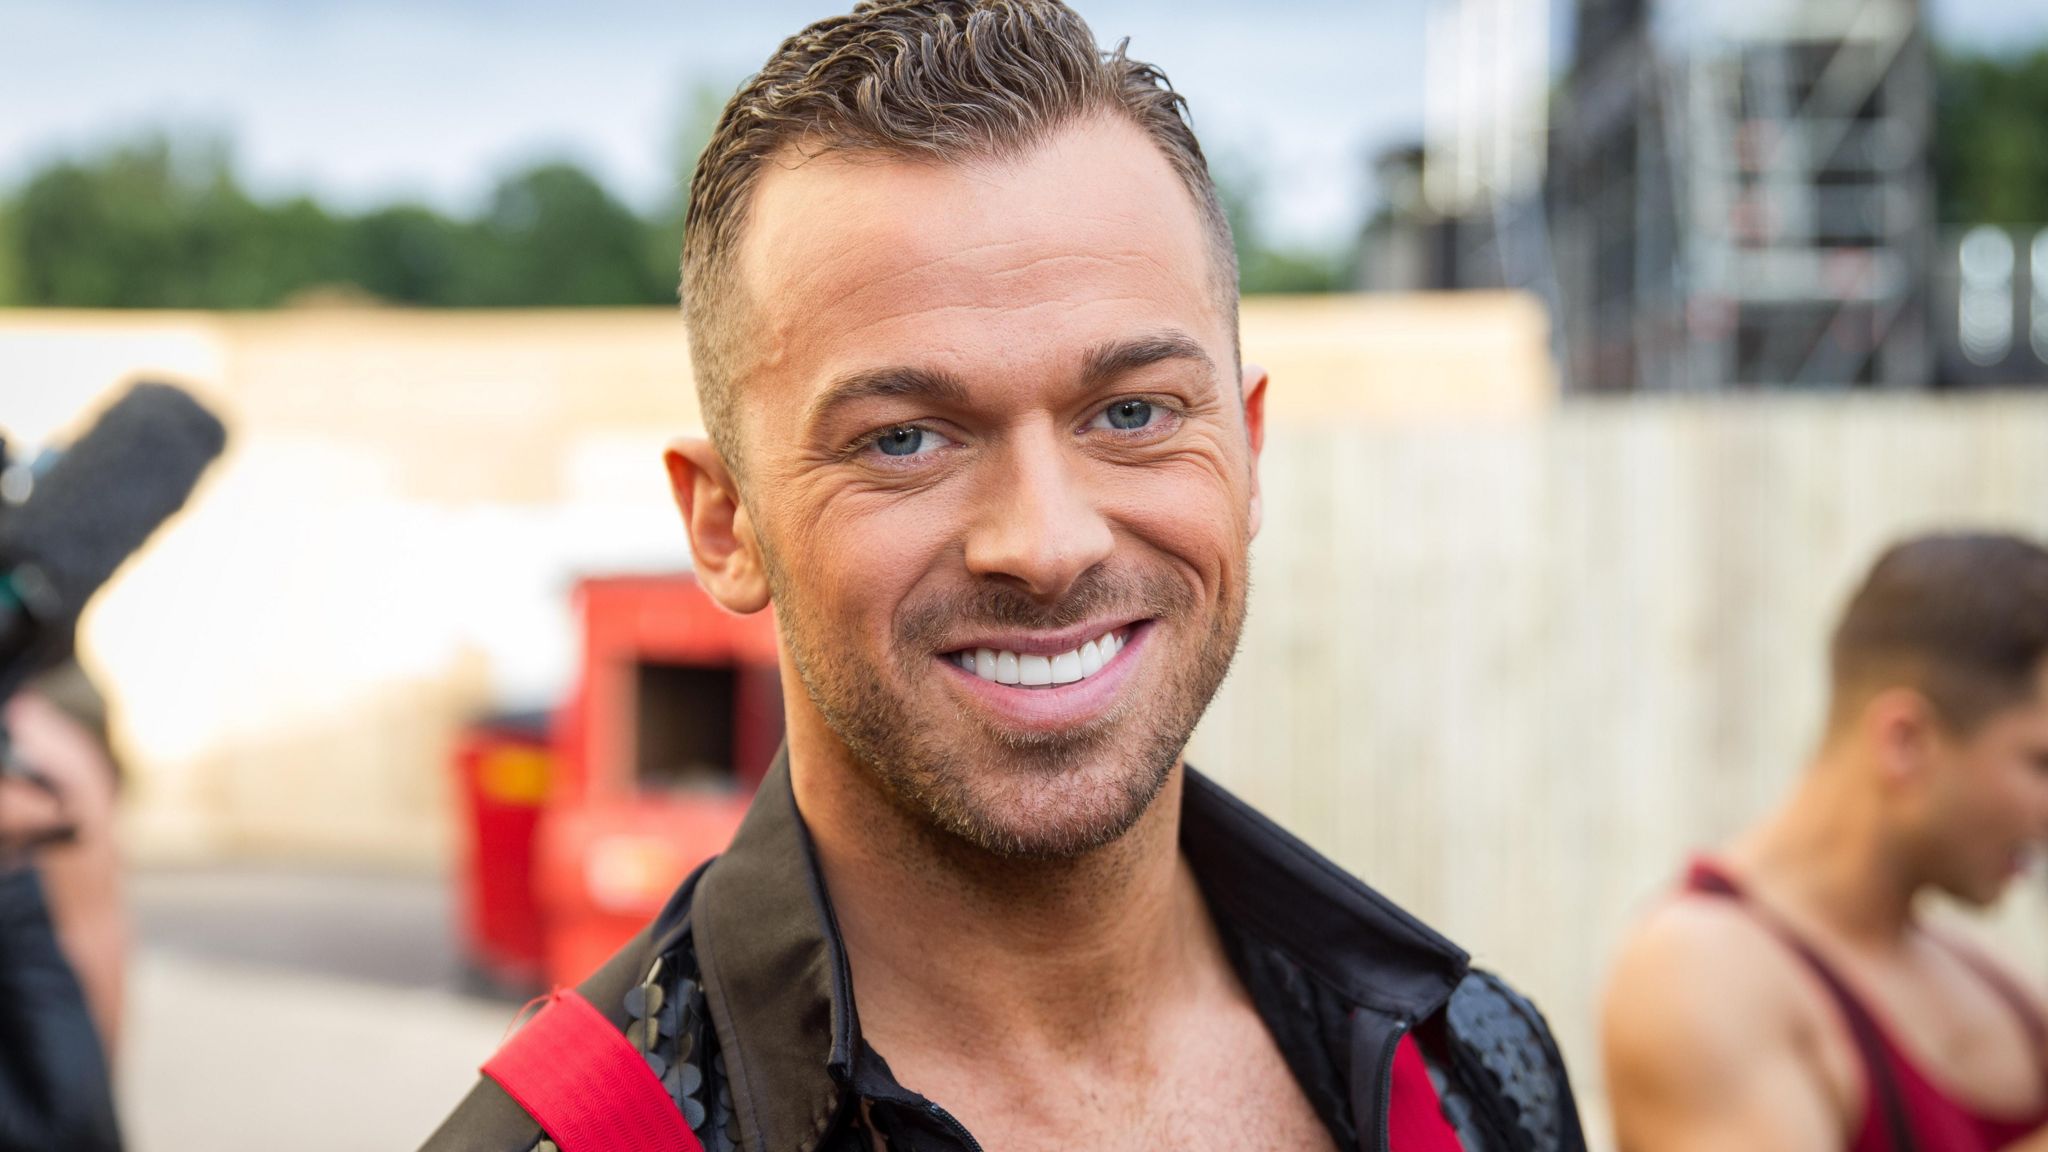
column 585, row 1083
column 1415, row 1116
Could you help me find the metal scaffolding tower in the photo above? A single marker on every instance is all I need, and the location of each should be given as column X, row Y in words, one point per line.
column 1740, row 196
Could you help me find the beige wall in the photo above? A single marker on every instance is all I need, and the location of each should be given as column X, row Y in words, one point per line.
column 387, row 546
column 1405, row 361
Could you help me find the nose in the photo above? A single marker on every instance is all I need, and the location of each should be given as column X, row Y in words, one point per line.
column 1037, row 523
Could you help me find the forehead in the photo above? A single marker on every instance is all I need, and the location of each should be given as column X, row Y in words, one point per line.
column 850, row 261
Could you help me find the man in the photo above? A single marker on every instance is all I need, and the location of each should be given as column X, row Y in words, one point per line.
column 963, row 310
column 1793, row 997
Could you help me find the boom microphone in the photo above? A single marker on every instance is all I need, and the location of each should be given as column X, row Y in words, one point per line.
column 102, row 499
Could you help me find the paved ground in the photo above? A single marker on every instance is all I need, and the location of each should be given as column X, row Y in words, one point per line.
column 288, row 1009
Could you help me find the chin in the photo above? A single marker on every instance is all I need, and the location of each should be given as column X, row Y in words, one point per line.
column 1019, row 805
column 1988, row 895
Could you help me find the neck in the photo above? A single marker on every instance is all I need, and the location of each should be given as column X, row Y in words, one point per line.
column 1825, row 857
column 949, row 945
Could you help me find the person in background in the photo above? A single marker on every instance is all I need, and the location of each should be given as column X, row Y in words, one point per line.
column 963, row 312
column 63, row 930
column 1794, row 996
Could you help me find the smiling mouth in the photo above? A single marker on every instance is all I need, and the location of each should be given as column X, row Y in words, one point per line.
column 1021, row 670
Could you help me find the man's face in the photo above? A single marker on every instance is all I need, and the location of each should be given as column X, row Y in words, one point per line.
column 1000, row 468
column 1989, row 809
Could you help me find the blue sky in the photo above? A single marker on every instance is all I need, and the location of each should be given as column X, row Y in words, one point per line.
column 364, row 101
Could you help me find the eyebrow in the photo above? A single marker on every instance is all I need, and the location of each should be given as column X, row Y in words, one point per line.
column 884, row 384
column 1106, row 362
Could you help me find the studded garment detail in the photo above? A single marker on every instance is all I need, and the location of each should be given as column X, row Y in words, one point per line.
column 672, row 1028
column 1498, row 1041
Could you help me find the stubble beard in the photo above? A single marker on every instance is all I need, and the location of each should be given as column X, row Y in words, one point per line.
column 1014, row 795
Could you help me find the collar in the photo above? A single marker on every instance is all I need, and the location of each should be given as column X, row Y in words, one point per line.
column 1262, row 880
column 776, row 981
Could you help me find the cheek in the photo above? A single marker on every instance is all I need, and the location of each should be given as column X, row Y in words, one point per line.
column 1192, row 514
column 2014, row 799
column 2030, row 797
column 858, row 556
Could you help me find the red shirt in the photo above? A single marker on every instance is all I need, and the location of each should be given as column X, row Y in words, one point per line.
column 1903, row 1109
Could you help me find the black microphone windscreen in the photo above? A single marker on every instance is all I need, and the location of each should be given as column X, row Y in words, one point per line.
column 109, row 491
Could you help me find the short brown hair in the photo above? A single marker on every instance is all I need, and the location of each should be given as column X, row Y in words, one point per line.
column 942, row 80
column 1960, row 617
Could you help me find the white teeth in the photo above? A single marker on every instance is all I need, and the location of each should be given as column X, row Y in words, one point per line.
column 1039, row 671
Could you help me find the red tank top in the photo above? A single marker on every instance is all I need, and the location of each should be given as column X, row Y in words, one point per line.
column 1903, row 1110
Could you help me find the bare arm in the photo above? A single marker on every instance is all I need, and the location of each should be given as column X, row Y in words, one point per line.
column 1705, row 1046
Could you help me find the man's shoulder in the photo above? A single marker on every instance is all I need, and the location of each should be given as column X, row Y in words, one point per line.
column 488, row 1119
column 1701, row 996
column 1695, row 954
column 1500, row 1051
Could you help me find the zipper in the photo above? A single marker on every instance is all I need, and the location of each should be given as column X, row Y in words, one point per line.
column 958, row 1129
column 1385, row 1072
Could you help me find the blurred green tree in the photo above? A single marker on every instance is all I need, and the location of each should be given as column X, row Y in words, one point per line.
column 158, row 223
column 150, row 225
column 408, row 254
column 1990, row 114
column 553, row 236
column 10, row 260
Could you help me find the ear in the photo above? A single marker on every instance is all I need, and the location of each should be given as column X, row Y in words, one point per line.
column 1903, row 730
column 728, row 556
column 1254, row 391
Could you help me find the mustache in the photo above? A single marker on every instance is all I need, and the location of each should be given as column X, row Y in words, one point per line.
column 1098, row 592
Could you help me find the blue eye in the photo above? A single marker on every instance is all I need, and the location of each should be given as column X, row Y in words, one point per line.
column 1128, row 415
column 900, row 441
column 907, row 441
